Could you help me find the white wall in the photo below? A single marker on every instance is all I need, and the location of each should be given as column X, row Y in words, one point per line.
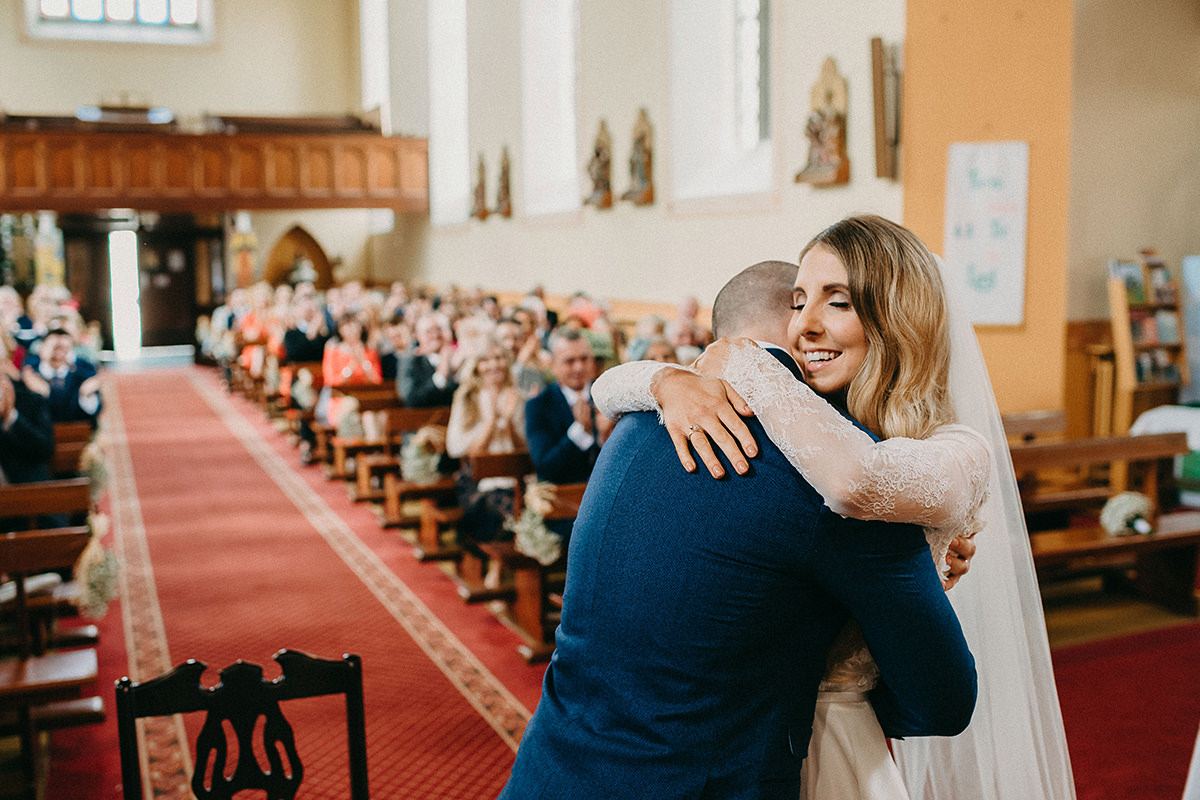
column 269, row 57
column 1135, row 153
column 658, row 252
column 300, row 57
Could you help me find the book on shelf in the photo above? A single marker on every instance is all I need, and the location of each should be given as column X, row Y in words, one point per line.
column 1143, row 327
column 1134, row 279
column 1167, row 323
column 1162, row 288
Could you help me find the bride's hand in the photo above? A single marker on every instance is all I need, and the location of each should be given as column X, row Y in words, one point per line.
column 962, row 550
column 695, row 408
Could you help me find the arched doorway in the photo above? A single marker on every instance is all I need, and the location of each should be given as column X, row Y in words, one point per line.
column 297, row 257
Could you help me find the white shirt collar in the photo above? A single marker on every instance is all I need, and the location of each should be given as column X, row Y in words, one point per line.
column 573, row 396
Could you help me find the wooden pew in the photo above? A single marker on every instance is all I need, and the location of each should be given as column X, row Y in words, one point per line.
column 43, row 690
column 299, row 419
column 399, row 491
column 277, row 402
column 1161, row 566
column 20, row 506
column 534, row 606
column 333, row 450
column 440, row 511
column 1026, row 426
column 1051, row 471
column 435, row 519
column 70, row 439
column 371, row 464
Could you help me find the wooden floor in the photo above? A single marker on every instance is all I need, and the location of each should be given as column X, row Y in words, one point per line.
column 1079, row 612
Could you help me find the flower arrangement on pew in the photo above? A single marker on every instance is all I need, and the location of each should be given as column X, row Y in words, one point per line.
column 94, row 467
column 421, row 455
column 532, row 537
column 1127, row 514
column 97, row 571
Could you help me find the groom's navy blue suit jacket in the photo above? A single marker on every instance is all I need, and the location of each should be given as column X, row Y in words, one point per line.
column 696, row 619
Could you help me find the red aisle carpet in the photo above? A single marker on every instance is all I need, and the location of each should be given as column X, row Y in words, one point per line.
column 232, row 550
column 1131, row 707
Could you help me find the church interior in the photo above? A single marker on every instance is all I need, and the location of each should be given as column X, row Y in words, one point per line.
column 184, row 183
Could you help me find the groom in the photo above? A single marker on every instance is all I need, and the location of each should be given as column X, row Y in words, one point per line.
column 698, row 613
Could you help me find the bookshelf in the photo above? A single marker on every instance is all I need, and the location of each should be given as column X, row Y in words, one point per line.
column 1149, row 356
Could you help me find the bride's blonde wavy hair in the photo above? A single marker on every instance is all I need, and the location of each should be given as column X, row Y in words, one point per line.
column 903, row 386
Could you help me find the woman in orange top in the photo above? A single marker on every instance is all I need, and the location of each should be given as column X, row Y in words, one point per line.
column 348, row 361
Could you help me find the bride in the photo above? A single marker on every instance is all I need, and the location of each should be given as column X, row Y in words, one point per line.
column 879, row 338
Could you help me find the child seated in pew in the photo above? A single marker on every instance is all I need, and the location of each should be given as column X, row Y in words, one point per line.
column 487, row 415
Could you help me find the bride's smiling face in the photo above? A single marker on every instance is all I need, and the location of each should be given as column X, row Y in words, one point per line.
column 825, row 333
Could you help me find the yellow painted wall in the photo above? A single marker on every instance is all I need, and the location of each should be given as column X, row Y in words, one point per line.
column 998, row 70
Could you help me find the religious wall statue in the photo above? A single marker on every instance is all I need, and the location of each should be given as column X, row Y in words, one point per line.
column 641, row 162
column 479, row 208
column 828, row 164
column 503, row 195
column 600, row 169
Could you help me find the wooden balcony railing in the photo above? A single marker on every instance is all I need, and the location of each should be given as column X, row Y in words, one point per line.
column 82, row 171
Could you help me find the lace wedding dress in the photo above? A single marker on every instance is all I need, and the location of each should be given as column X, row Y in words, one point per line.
column 939, row 483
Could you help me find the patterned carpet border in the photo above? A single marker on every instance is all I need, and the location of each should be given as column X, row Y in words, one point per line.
column 502, row 711
column 165, row 757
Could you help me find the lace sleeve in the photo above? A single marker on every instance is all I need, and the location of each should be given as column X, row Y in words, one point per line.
column 625, row 388
column 930, row 482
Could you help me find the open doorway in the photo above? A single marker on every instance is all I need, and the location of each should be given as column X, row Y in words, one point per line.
column 145, row 277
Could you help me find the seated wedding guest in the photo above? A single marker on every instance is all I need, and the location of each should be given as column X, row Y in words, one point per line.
column 44, row 304
column 304, row 341
column 12, row 311
column 688, row 337
column 425, row 376
column 526, row 352
column 648, row 328
column 26, row 430
column 471, row 335
column 394, row 341
column 69, row 384
column 223, row 327
column 489, row 305
column 12, row 355
column 348, row 361
column 486, row 416
column 305, row 338
column 660, row 350
column 253, row 329
column 562, row 426
column 397, row 299
column 544, row 319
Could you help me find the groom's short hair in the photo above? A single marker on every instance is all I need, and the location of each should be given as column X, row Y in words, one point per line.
column 762, row 288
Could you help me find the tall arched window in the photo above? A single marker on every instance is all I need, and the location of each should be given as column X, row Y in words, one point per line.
column 549, row 46
column 720, row 98
column 449, row 153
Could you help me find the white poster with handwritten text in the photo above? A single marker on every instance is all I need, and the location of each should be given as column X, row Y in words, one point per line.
column 987, row 192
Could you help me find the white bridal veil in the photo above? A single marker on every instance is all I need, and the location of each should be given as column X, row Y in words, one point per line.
column 1015, row 746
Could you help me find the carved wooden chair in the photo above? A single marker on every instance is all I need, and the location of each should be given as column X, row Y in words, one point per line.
column 239, row 700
